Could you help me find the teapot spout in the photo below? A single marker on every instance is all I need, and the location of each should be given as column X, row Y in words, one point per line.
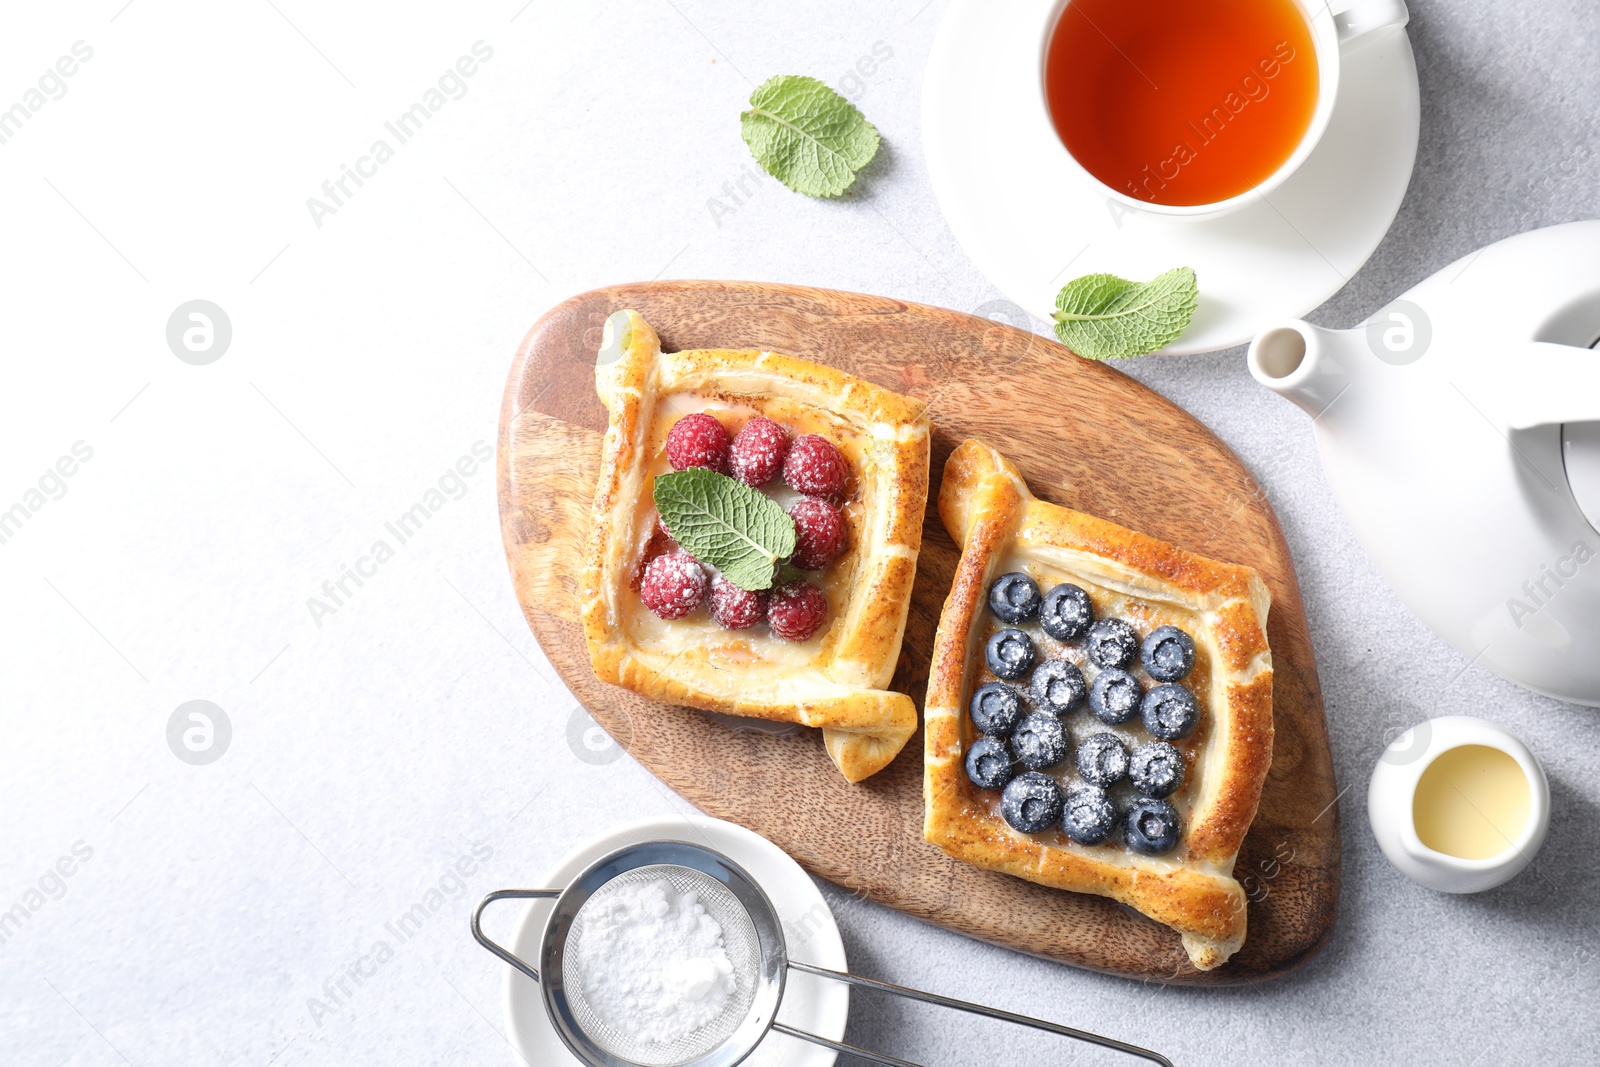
column 1307, row 364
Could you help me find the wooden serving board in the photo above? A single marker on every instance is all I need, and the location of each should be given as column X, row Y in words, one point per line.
column 1085, row 435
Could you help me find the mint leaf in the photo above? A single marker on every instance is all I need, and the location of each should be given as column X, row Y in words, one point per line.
column 1102, row 316
column 807, row 136
column 725, row 523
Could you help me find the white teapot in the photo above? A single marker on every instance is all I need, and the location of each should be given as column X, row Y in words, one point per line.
column 1460, row 430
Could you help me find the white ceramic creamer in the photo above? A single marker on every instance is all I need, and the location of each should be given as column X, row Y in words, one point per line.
column 1398, row 806
column 1460, row 431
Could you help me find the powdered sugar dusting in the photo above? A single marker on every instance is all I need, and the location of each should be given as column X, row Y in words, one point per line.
column 652, row 963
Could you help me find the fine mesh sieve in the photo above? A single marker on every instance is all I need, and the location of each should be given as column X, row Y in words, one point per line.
column 739, row 941
column 753, row 940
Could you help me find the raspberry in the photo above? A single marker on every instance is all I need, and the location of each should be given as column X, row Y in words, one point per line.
column 698, row 440
column 673, row 585
column 735, row 608
column 814, row 467
column 796, row 609
column 758, row 452
column 819, row 533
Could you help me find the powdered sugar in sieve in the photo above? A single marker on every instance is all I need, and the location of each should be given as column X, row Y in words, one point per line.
column 660, row 965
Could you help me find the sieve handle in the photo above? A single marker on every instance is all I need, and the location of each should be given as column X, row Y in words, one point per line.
column 959, row 1005
column 840, row 1046
column 507, row 894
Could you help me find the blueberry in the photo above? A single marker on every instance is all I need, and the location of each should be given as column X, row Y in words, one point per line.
column 1168, row 654
column 1170, row 712
column 996, row 709
column 1014, row 597
column 1152, row 826
column 1040, row 742
column 1067, row 612
column 1102, row 759
column 1009, row 654
column 1088, row 815
column 1031, row 802
column 1156, row 769
column 989, row 764
column 1112, row 643
column 1114, row 697
column 1058, row 686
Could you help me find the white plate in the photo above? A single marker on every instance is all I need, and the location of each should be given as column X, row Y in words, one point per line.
column 1031, row 225
column 809, row 1003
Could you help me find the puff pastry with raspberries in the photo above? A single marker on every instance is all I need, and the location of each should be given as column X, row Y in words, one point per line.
column 845, row 459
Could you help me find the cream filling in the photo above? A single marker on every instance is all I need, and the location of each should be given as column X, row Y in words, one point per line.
column 724, row 648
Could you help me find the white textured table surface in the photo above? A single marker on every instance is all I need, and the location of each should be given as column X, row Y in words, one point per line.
column 409, row 730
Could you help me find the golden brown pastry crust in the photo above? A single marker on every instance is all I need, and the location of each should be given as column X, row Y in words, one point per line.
column 990, row 512
column 841, row 685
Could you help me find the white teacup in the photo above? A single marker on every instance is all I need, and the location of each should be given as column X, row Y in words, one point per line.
column 1330, row 34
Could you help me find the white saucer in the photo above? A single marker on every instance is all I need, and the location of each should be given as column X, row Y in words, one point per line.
column 1031, row 225
column 809, row 1003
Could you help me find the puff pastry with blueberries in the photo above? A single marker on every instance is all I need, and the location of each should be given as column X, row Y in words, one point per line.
column 1099, row 708
column 845, row 459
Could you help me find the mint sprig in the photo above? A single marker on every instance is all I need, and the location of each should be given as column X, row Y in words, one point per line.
column 725, row 523
column 806, row 135
column 1102, row 316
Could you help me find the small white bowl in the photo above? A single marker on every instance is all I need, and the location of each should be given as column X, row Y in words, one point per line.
column 1392, row 792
